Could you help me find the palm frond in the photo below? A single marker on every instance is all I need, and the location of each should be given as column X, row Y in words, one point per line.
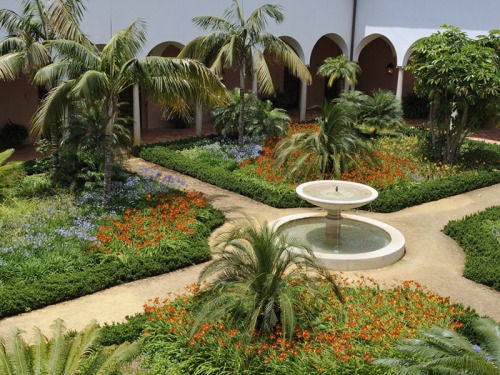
column 214, row 23
column 91, row 85
column 5, row 365
column 81, row 57
column 39, row 353
column 64, row 17
column 123, row 46
column 81, row 346
column 259, row 18
column 11, row 65
column 51, row 110
column 19, row 355
column 119, row 355
column 489, row 332
column 57, row 349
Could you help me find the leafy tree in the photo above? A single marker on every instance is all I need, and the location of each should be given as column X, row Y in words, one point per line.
column 98, row 77
column 243, row 44
column 461, row 77
column 63, row 354
column 339, row 67
column 442, row 351
column 254, row 275
column 335, row 148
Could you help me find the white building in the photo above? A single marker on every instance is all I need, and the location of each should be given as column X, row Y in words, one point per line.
column 378, row 34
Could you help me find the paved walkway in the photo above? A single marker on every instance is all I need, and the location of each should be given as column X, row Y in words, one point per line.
column 431, row 258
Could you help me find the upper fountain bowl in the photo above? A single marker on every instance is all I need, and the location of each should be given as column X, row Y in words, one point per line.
column 336, row 195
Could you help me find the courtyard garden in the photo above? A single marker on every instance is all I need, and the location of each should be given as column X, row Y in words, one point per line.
column 77, row 221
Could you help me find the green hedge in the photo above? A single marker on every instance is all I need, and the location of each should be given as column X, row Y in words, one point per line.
column 22, row 296
column 280, row 196
column 478, row 235
column 391, row 199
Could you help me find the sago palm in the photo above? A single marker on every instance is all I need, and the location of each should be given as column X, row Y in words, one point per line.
column 243, row 44
column 83, row 72
column 442, row 351
column 335, row 148
column 254, row 278
column 63, row 354
column 338, row 67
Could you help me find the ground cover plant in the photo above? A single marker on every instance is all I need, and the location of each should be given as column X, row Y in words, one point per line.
column 344, row 338
column 478, row 235
column 60, row 246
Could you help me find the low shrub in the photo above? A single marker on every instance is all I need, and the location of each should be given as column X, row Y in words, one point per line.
column 128, row 331
column 479, row 236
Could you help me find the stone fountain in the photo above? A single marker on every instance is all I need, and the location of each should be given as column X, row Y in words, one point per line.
column 343, row 241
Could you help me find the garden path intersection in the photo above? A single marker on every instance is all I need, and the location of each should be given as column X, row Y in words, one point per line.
column 432, row 258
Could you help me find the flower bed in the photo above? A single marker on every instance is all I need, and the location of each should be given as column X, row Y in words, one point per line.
column 344, row 338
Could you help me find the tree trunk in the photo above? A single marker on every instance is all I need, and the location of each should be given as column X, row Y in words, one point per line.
column 241, row 120
column 108, row 149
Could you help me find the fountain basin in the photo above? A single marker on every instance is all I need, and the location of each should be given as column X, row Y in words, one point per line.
column 336, row 195
column 386, row 248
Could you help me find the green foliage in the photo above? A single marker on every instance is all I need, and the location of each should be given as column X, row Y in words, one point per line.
column 478, row 235
column 33, row 185
column 339, row 67
column 118, row 333
column 342, row 339
column 253, row 277
column 460, row 78
column 259, row 117
column 272, row 194
column 334, row 149
column 10, row 173
column 442, row 351
column 397, row 197
column 415, row 107
column 244, row 45
column 63, row 354
column 391, row 199
column 378, row 114
column 45, row 259
column 13, row 135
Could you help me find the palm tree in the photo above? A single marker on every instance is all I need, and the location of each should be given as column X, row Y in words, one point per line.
column 442, row 351
column 25, row 50
column 339, row 67
column 83, row 72
column 332, row 150
column 63, row 354
column 254, row 276
column 234, row 42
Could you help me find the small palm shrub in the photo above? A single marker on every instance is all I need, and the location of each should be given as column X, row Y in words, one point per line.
column 332, row 150
column 10, row 173
column 260, row 118
column 63, row 354
column 442, row 351
column 253, row 279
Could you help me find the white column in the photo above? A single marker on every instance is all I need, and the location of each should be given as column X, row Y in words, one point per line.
column 303, row 100
column 198, row 118
column 137, row 115
column 399, row 87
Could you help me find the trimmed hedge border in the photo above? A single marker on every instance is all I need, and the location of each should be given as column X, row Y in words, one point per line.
column 24, row 295
column 477, row 235
column 391, row 199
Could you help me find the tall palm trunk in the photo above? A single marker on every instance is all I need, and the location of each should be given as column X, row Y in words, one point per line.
column 241, row 120
column 108, row 147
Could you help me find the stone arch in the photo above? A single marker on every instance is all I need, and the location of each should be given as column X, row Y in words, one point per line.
column 329, row 45
column 377, row 58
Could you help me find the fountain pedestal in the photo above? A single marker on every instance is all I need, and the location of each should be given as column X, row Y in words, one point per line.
column 342, row 242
